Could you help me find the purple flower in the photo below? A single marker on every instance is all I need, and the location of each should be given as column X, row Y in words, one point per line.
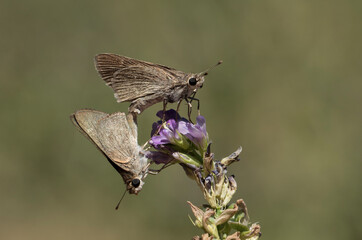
column 168, row 134
column 196, row 133
column 174, row 127
column 159, row 157
column 179, row 138
column 169, row 115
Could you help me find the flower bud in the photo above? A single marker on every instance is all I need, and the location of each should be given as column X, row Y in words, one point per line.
column 208, row 163
column 229, row 188
column 226, row 215
column 238, row 226
column 219, row 175
column 253, row 234
column 244, row 211
column 209, row 191
column 232, row 157
column 209, row 223
column 235, row 236
column 198, row 213
column 186, row 159
column 204, row 236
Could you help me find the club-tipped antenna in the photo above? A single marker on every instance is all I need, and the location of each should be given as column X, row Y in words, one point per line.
column 121, row 199
column 204, row 73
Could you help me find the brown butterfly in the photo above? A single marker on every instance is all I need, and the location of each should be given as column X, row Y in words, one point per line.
column 115, row 135
column 144, row 83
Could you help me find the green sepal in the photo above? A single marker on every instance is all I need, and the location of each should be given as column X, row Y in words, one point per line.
column 238, row 226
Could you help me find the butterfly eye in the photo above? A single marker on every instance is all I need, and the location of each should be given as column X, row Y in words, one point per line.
column 136, row 182
column 192, row 81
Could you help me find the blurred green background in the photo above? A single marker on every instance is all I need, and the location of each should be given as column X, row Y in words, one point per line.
column 289, row 92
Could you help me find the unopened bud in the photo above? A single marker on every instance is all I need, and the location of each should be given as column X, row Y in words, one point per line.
column 229, row 190
column 208, row 163
column 243, row 209
column 232, row 157
column 226, row 215
column 235, row 236
column 198, row 213
column 186, row 159
column 253, row 234
column 209, row 223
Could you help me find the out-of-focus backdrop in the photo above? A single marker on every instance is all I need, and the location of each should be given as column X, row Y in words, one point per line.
column 289, row 92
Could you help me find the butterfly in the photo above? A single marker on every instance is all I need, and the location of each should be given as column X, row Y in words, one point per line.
column 115, row 135
column 144, row 83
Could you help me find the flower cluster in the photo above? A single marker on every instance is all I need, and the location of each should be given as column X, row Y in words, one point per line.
column 218, row 223
column 219, row 217
column 177, row 140
column 218, row 189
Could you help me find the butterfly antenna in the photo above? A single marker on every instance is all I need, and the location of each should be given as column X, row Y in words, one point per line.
column 121, row 199
column 204, row 73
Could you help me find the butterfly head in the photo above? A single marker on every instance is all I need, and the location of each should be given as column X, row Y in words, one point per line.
column 196, row 81
column 135, row 185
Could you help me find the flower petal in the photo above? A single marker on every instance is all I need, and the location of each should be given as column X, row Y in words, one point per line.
column 169, row 114
column 155, row 127
column 159, row 157
column 158, row 140
column 201, row 123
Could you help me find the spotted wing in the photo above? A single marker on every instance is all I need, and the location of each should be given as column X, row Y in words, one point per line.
column 132, row 79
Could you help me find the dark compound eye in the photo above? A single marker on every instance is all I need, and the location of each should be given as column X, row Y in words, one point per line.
column 136, row 182
column 192, row 81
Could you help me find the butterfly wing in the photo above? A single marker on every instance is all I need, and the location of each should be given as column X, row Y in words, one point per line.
column 86, row 121
column 132, row 79
column 113, row 136
column 119, row 142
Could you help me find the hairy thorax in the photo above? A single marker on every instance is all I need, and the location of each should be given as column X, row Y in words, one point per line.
column 176, row 94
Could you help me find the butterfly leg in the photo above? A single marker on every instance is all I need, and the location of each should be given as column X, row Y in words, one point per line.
column 189, row 109
column 144, row 145
column 148, row 141
column 178, row 107
column 146, row 169
column 155, row 172
column 164, row 111
column 198, row 103
column 157, row 132
column 159, row 128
